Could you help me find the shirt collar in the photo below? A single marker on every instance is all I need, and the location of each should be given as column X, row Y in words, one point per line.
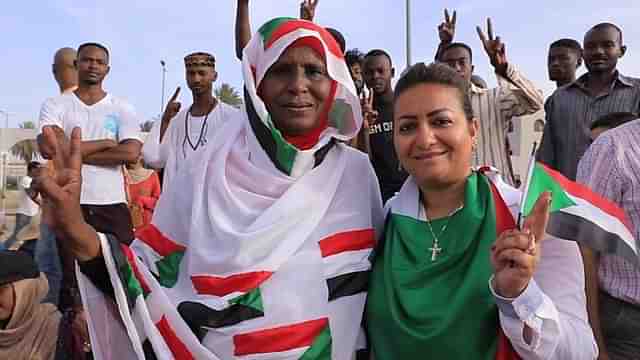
column 581, row 82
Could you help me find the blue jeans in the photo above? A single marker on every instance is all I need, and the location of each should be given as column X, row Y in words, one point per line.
column 22, row 220
column 49, row 262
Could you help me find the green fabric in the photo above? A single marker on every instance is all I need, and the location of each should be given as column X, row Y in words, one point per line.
column 168, row 269
column 268, row 28
column 131, row 284
column 443, row 309
column 321, row 347
column 541, row 181
column 251, row 299
column 285, row 152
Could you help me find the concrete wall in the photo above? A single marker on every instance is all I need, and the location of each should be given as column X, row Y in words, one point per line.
column 525, row 133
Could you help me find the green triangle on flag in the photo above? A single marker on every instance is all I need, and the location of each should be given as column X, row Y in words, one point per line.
column 540, row 182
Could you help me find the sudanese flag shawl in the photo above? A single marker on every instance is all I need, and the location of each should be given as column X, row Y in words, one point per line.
column 442, row 309
column 262, row 252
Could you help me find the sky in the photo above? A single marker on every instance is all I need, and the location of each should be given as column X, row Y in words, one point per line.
column 140, row 33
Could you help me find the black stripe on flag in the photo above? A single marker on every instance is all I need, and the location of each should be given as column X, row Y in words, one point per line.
column 122, row 264
column 572, row 227
column 263, row 134
column 199, row 316
column 348, row 284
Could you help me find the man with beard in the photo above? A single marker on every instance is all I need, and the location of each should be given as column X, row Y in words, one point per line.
column 110, row 133
column 181, row 133
column 602, row 90
column 565, row 57
column 378, row 72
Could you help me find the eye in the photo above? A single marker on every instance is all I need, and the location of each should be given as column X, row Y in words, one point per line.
column 441, row 121
column 407, row 127
column 314, row 71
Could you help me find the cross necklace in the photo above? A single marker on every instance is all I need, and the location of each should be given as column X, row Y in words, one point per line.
column 435, row 248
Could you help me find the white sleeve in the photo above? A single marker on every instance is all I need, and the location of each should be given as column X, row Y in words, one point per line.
column 154, row 153
column 553, row 306
column 49, row 115
column 129, row 128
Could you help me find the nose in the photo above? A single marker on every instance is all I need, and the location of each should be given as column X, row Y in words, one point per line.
column 598, row 50
column 298, row 83
column 426, row 136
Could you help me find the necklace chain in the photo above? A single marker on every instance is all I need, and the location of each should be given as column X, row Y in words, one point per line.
column 435, row 248
column 201, row 140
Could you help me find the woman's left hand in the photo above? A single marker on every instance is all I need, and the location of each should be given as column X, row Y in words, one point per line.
column 516, row 253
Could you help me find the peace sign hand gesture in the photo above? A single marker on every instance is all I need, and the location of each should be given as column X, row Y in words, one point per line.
column 494, row 47
column 515, row 254
column 173, row 107
column 61, row 190
column 369, row 115
column 308, row 9
column 447, row 29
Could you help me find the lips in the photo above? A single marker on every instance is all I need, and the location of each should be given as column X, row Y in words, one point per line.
column 429, row 155
column 598, row 61
column 298, row 107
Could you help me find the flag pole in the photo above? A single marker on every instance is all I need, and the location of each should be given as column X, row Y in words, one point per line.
column 532, row 164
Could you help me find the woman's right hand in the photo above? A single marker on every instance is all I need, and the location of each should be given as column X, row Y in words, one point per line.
column 60, row 192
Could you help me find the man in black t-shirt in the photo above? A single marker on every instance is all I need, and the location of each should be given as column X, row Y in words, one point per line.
column 378, row 71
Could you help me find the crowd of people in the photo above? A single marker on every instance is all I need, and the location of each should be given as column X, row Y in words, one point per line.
column 333, row 216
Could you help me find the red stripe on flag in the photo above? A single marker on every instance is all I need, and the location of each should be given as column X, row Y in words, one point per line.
column 177, row 347
column 504, row 349
column 279, row 339
column 161, row 244
column 504, row 219
column 221, row 286
column 583, row 192
column 136, row 272
column 347, row 241
column 293, row 25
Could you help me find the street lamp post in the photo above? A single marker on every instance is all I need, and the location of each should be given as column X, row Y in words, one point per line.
column 408, row 23
column 164, row 73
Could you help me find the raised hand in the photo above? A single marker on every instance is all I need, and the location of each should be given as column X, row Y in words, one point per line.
column 173, row 107
column 61, row 190
column 447, row 29
column 494, row 47
column 369, row 115
column 516, row 253
column 308, row 9
column 45, row 149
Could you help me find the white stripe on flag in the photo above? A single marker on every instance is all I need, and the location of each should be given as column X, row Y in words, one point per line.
column 347, row 262
column 611, row 224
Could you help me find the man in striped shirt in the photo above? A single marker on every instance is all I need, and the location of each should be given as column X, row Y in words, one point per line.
column 494, row 108
column 572, row 108
column 611, row 167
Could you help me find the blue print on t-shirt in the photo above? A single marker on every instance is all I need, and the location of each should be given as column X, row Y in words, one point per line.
column 112, row 123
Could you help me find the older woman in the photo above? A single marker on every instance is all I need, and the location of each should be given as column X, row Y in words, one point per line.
column 453, row 278
column 263, row 250
column 28, row 329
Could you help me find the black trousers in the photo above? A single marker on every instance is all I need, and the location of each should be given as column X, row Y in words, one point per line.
column 620, row 323
column 112, row 219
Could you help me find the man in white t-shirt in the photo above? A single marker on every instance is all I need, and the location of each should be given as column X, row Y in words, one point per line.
column 182, row 133
column 28, row 205
column 110, row 133
column 46, row 254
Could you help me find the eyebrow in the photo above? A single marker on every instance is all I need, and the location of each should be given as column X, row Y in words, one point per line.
column 430, row 114
column 455, row 59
